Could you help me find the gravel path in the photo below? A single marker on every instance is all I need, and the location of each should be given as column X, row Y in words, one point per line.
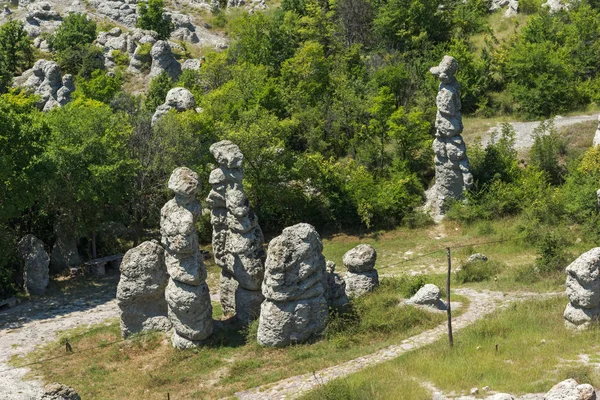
column 523, row 130
column 481, row 304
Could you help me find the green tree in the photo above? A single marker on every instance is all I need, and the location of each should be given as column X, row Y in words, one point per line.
column 15, row 46
column 72, row 43
column 152, row 16
column 102, row 86
column 157, row 93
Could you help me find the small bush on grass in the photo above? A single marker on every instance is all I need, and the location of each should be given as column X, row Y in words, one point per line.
column 478, row 271
column 552, row 254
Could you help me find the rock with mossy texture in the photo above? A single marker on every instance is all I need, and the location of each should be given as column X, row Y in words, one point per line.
column 237, row 238
column 58, row 391
column 187, row 295
column 141, row 290
column 453, row 175
column 295, row 307
column 428, row 295
column 570, row 389
column 362, row 277
column 583, row 290
column 179, row 99
column 35, row 264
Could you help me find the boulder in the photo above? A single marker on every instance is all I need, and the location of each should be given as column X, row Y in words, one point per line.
column 191, row 63
column 141, row 290
column 583, row 290
column 163, row 60
column 35, row 264
column 295, row 308
column 335, row 290
column 58, row 391
column 476, row 257
column 362, row 277
column 44, row 79
column 571, row 390
column 428, row 295
column 179, row 99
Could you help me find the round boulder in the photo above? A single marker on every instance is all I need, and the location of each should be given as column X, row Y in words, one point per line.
column 360, row 259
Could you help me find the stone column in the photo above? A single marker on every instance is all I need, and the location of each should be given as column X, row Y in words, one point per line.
column 452, row 170
column 295, row 307
column 583, row 290
column 187, row 295
column 35, row 264
column 237, row 237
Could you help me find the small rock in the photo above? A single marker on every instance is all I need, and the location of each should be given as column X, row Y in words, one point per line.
column 428, row 295
column 474, row 391
column 477, row 257
column 58, row 391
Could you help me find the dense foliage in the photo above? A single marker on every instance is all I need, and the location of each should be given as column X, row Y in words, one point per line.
column 332, row 105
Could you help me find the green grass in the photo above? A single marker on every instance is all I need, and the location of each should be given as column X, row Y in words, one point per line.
column 148, row 367
column 522, row 364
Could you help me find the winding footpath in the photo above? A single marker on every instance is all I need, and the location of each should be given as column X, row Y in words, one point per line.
column 481, row 304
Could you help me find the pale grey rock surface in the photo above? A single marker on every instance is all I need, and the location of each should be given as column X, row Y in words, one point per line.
column 295, row 308
column 452, row 169
column 187, row 295
column 596, row 141
column 179, row 99
column 476, row 257
column 35, row 264
column 237, row 238
column 583, row 290
column 163, row 60
column 58, row 391
column 44, row 79
column 428, row 295
column 141, row 290
column 557, row 5
column 362, row 277
column 571, row 390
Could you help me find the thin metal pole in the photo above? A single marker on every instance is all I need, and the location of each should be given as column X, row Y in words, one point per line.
column 448, row 307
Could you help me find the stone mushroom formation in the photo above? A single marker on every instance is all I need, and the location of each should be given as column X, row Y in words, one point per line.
column 141, row 290
column 237, row 238
column 362, row 277
column 452, row 171
column 295, row 308
column 35, row 264
column 583, row 290
column 187, row 295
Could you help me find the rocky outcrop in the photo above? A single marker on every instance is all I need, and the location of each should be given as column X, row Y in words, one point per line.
column 35, row 264
column 452, row 170
column 184, row 29
column 362, row 277
column 428, row 295
column 512, row 6
column 557, row 5
column 58, row 391
column 596, row 141
column 64, row 252
column 295, row 308
column 571, row 390
column 583, row 290
column 124, row 12
column 335, row 290
column 179, row 99
column 163, row 60
column 187, row 295
column 237, row 237
column 141, row 290
column 40, row 18
column 115, row 40
column 44, row 79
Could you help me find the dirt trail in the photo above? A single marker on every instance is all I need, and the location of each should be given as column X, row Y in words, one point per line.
column 481, row 304
column 523, row 130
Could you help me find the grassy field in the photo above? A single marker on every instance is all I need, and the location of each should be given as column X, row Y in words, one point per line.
column 535, row 352
column 148, row 367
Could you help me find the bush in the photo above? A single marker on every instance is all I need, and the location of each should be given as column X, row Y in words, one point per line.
column 121, row 59
column 548, row 151
column 552, row 255
column 102, row 86
column 152, row 17
column 75, row 31
column 157, row 93
column 477, row 271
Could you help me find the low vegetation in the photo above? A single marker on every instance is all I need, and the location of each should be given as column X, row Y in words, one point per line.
column 523, row 349
column 147, row 366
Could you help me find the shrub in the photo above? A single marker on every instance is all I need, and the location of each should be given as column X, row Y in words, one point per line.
column 143, row 52
column 548, row 151
column 102, row 86
column 477, row 271
column 152, row 17
column 121, row 59
column 552, row 256
column 159, row 87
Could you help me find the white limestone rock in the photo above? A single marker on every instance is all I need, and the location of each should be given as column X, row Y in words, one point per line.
column 35, row 261
column 360, row 259
column 141, row 290
column 571, row 390
column 362, row 277
column 335, row 289
column 58, row 391
column 583, row 290
column 428, row 295
column 179, row 99
column 295, row 308
column 163, row 60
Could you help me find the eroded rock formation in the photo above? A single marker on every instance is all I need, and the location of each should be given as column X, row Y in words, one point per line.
column 58, row 391
column 64, row 252
column 570, row 389
column 452, row 170
column 163, row 60
column 35, row 264
column 44, row 79
column 335, row 290
column 428, row 295
column 362, row 277
column 179, row 99
column 237, row 237
column 295, row 308
column 141, row 290
column 583, row 290
column 187, row 295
